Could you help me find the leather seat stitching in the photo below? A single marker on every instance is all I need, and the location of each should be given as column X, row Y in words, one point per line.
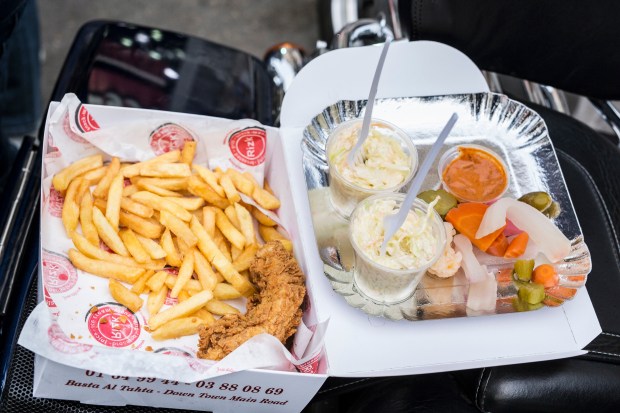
column 605, row 353
column 479, row 383
column 344, row 385
column 484, row 391
column 610, row 229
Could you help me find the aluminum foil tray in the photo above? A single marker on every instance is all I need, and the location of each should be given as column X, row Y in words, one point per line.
column 509, row 128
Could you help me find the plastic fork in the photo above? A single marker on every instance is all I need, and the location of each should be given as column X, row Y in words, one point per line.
column 353, row 155
column 392, row 223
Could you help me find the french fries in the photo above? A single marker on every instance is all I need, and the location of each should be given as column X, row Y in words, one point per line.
column 172, row 184
column 190, row 204
column 244, row 260
column 179, row 327
column 162, row 204
column 134, row 169
column 220, row 308
column 86, row 219
column 185, row 273
column 134, row 246
column 157, row 190
column 219, row 261
column 104, row 183
column 208, row 220
column 229, row 189
column 262, row 218
column 178, row 227
column 210, row 178
column 151, row 247
column 191, row 285
column 265, row 199
column 70, row 208
column 165, row 170
column 108, row 234
column 187, row 307
column 241, row 182
column 63, row 178
column 157, row 281
column 188, row 152
column 231, row 233
column 172, row 255
column 138, row 286
column 92, row 251
column 136, row 208
column 148, row 228
column 113, row 206
column 125, row 296
column 198, row 187
column 246, row 226
column 174, row 212
column 156, row 300
column 202, row 268
column 103, row 268
column 272, row 234
column 225, row 291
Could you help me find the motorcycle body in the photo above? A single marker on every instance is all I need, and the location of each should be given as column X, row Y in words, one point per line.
column 126, row 65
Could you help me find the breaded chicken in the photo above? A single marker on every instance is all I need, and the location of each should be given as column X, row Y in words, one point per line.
column 275, row 309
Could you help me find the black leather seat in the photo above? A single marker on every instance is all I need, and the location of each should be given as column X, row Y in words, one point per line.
column 571, row 45
column 591, row 165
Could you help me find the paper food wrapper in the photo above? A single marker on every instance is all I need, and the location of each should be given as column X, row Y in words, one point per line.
column 67, row 326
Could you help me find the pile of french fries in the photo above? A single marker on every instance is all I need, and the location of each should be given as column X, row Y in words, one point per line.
column 132, row 223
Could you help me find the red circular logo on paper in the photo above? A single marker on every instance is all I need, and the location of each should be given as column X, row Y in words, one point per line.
column 169, row 137
column 310, row 366
column 169, row 300
column 53, row 154
column 249, row 145
column 66, row 125
column 84, row 120
column 59, row 275
column 113, row 325
column 48, row 298
column 193, row 363
column 55, row 202
column 105, row 247
column 60, row 341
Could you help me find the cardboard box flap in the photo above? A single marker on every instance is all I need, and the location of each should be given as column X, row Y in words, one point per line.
column 361, row 345
column 421, row 68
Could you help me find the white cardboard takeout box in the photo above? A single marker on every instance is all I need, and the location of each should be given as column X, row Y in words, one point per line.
column 361, row 345
column 355, row 344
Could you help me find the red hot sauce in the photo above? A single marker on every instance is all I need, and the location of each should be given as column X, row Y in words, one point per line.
column 475, row 175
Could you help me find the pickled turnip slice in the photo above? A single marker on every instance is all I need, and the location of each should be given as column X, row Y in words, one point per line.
column 482, row 295
column 549, row 239
column 472, row 268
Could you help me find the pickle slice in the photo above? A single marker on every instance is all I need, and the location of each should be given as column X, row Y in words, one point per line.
column 523, row 270
column 531, row 293
column 553, row 211
column 539, row 200
column 520, row 305
column 446, row 202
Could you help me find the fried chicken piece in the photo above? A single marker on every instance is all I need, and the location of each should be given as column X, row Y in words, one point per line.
column 275, row 309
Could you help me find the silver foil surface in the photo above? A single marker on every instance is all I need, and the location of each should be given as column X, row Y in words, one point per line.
column 512, row 130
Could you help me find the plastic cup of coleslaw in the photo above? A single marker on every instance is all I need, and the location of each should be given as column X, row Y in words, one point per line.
column 389, row 161
column 417, row 245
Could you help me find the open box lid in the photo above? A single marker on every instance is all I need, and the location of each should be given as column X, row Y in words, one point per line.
column 361, row 345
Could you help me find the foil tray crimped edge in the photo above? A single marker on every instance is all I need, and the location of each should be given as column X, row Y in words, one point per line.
column 489, row 119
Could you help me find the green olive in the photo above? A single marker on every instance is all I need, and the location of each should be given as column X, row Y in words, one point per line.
column 520, row 305
column 539, row 200
column 553, row 211
column 446, row 201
